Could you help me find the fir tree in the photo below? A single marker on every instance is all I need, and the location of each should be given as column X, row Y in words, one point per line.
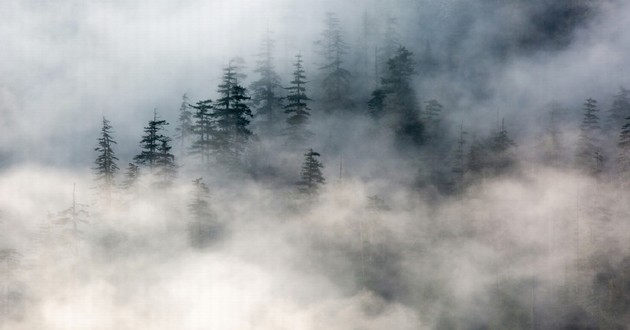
column 296, row 108
column 202, row 228
column 232, row 117
column 501, row 146
column 203, row 130
column 166, row 167
column 336, row 79
column 619, row 111
column 311, row 176
column 185, row 127
column 151, row 142
column 589, row 157
column 431, row 118
column 459, row 164
column 131, row 176
column 624, row 151
column 265, row 90
column 105, row 162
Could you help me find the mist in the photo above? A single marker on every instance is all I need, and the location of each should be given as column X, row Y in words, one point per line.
column 435, row 165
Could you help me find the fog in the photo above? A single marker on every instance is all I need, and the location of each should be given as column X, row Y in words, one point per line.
column 526, row 237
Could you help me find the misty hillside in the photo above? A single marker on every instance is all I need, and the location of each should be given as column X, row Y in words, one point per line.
column 282, row 164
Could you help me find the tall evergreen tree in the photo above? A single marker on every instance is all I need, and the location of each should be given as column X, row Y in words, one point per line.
column 166, row 167
column 265, row 90
column 105, row 162
column 131, row 176
column 336, row 79
column 311, row 176
column 589, row 156
column 501, row 146
column 396, row 99
column 202, row 227
column 459, row 162
column 203, row 131
column 185, row 127
column 624, row 151
column 232, row 116
column 619, row 111
column 296, row 107
column 151, row 142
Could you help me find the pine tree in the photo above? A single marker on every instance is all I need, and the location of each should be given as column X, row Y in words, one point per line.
column 105, row 162
column 589, row 156
column 459, row 165
column 202, row 227
column 185, row 128
column 151, row 142
column 203, row 131
column 624, row 151
column 311, row 176
column 132, row 175
column 619, row 111
column 336, row 79
column 296, row 108
column 166, row 167
column 431, row 118
column 232, row 117
column 501, row 146
column 266, row 89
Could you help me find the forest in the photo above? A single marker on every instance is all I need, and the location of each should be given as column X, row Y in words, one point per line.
column 279, row 164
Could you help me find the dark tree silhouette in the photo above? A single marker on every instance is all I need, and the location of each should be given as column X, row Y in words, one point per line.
column 296, row 107
column 265, row 90
column 589, row 156
column 231, row 116
column 203, row 131
column 311, row 176
column 105, row 162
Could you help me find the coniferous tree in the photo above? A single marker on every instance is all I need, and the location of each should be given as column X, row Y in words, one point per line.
column 185, row 128
column 265, row 91
column 131, row 176
column 589, row 157
column 231, row 116
column 431, row 118
column 624, row 151
column 203, row 131
column 202, row 227
column 166, row 167
column 105, row 162
column 72, row 218
column 311, row 176
column 336, row 79
column 459, row 164
column 619, row 111
column 296, row 108
column 397, row 99
column 501, row 146
column 151, row 142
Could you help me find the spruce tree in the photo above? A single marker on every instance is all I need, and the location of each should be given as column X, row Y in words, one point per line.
column 619, row 111
column 501, row 146
column 185, row 127
column 296, row 108
column 202, row 227
column 150, row 143
column 232, row 116
column 589, row 157
column 166, row 167
column 311, row 176
column 336, row 79
column 203, row 130
column 624, row 151
column 265, row 90
column 131, row 176
column 105, row 162
column 431, row 118
column 459, row 163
